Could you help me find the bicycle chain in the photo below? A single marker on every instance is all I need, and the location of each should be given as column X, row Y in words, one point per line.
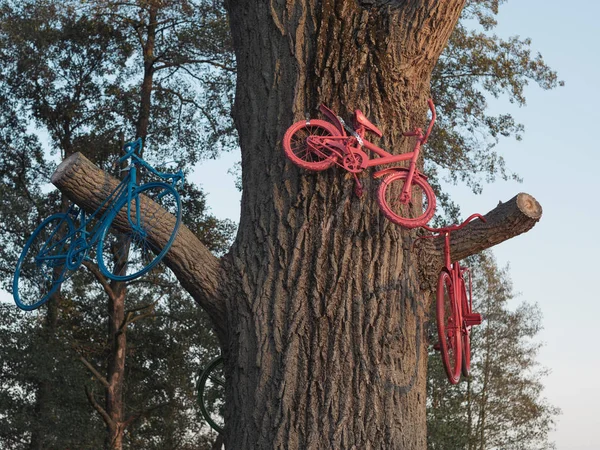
column 351, row 130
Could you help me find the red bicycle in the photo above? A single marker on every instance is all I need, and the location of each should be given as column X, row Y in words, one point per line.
column 404, row 196
column 454, row 309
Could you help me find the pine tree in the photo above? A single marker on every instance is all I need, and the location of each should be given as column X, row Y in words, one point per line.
column 75, row 73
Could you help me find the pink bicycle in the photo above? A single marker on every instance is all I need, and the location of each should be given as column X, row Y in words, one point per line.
column 404, row 196
column 454, row 309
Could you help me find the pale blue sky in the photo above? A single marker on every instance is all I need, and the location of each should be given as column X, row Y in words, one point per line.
column 554, row 263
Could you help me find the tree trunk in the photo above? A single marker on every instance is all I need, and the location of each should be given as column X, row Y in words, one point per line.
column 117, row 341
column 148, row 80
column 321, row 302
column 329, row 348
column 117, row 330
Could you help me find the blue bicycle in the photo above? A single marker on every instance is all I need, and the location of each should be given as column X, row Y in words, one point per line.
column 132, row 230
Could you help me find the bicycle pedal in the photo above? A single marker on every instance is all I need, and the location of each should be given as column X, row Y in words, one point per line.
column 472, row 319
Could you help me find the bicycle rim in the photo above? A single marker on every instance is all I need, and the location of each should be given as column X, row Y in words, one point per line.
column 297, row 148
column 414, row 213
column 137, row 235
column 448, row 325
column 41, row 268
column 211, row 394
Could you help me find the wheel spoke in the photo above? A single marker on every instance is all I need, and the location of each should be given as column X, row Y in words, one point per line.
column 312, row 155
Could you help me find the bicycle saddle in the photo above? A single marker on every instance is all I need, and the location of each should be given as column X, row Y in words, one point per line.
column 359, row 118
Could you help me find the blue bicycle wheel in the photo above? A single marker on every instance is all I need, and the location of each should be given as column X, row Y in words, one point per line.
column 136, row 235
column 41, row 268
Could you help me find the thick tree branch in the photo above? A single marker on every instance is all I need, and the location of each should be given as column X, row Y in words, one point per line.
column 191, row 61
column 218, row 443
column 198, row 270
column 507, row 220
column 131, row 316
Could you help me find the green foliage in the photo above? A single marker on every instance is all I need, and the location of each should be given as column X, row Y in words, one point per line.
column 61, row 72
column 193, row 70
column 76, row 71
column 501, row 405
column 169, row 341
column 165, row 353
column 22, row 165
column 36, row 363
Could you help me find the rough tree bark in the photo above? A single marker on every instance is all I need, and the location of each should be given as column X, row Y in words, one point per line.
column 320, row 303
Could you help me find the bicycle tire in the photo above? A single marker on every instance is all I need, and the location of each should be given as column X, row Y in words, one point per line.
column 42, row 264
column 399, row 213
column 449, row 328
column 142, row 249
column 204, row 377
column 299, row 152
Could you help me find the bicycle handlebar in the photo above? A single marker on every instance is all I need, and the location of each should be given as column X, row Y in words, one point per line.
column 443, row 230
column 130, row 149
column 419, row 131
column 133, row 146
column 433, row 117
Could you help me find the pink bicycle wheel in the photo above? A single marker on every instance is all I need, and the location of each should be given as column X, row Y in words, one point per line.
column 449, row 328
column 412, row 214
column 304, row 154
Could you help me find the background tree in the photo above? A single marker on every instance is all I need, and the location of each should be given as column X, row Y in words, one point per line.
column 501, row 404
column 475, row 66
column 75, row 73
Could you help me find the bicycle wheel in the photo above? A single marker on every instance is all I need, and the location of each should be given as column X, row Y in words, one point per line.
column 211, row 394
column 448, row 325
column 303, row 154
column 414, row 213
column 465, row 331
column 136, row 235
column 41, row 268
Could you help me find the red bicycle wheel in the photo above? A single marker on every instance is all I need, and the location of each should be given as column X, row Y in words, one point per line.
column 412, row 214
column 449, row 327
column 304, row 154
column 465, row 330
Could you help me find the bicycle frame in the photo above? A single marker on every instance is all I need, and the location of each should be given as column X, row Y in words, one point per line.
column 457, row 328
column 58, row 247
column 454, row 269
column 349, row 146
column 446, row 232
column 87, row 238
column 404, row 195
